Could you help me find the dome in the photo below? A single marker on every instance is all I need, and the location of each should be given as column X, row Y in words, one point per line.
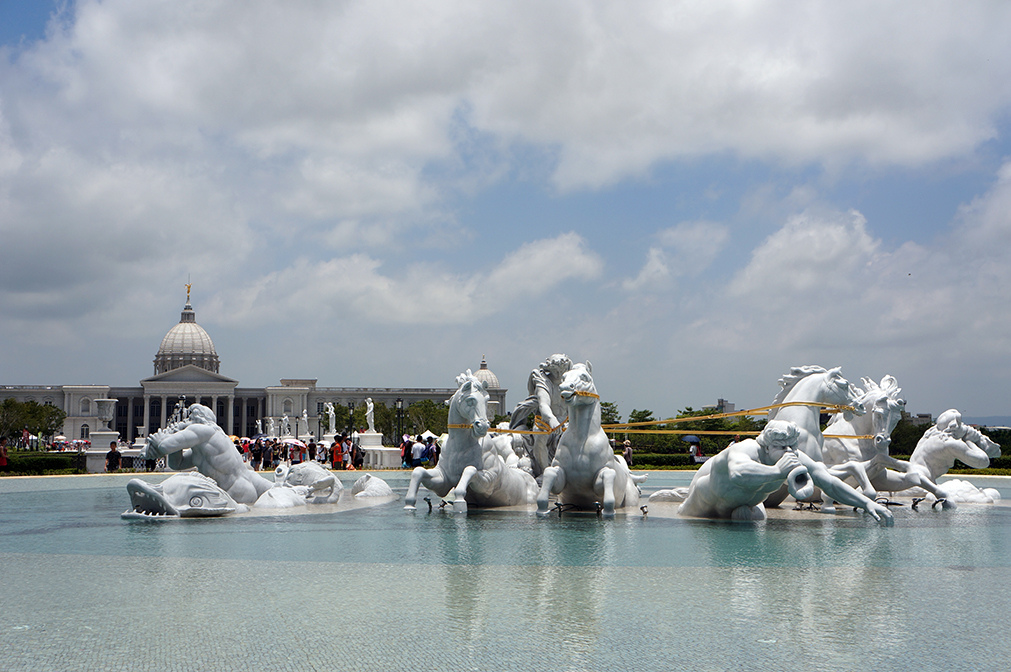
column 485, row 375
column 186, row 343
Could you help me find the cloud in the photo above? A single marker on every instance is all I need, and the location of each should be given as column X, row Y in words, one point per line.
column 421, row 293
column 689, row 247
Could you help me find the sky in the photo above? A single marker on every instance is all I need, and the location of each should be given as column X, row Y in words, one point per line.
column 693, row 196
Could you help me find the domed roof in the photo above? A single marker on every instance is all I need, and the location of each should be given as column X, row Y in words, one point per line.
column 186, row 343
column 484, row 374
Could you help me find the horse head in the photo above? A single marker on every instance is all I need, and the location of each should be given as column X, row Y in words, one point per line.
column 577, row 386
column 883, row 403
column 838, row 390
column 469, row 405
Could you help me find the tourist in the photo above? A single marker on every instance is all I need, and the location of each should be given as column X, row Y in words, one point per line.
column 418, row 452
column 434, row 450
column 112, row 458
column 346, row 452
column 405, row 451
column 268, row 456
column 3, row 454
column 336, row 453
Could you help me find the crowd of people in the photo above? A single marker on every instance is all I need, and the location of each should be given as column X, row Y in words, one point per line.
column 265, row 454
column 419, row 452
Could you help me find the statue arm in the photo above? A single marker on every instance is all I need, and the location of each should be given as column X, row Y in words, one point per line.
column 177, row 441
column 748, row 473
column 840, row 491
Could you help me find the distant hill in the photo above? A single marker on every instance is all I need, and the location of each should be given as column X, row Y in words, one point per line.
column 989, row 420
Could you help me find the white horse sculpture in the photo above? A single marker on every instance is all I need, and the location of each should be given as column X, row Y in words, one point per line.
column 883, row 407
column 585, row 469
column 816, row 385
column 477, row 476
column 885, row 473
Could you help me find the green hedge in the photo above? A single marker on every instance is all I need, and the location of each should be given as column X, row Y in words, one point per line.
column 679, row 460
column 36, row 463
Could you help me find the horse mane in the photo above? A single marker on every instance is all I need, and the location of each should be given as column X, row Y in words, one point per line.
column 790, row 380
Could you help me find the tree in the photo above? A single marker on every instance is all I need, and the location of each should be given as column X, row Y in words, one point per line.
column 38, row 419
column 428, row 415
column 609, row 414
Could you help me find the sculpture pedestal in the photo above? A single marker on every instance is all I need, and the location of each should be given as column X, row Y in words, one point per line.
column 100, row 441
column 329, row 438
column 376, row 456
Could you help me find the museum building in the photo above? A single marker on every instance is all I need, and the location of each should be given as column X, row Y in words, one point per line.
column 186, row 371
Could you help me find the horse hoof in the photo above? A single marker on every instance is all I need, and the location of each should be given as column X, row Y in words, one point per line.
column 410, row 507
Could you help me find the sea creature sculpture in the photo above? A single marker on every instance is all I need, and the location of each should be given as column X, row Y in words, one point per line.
column 323, row 487
column 186, row 495
column 585, row 471
column 371, row 486
column 476, row 476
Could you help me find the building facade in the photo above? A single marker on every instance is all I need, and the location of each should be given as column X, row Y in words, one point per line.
column 187, row 371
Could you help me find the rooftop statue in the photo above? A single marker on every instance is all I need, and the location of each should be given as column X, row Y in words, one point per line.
column 197, row 441
column 477, row 476
column 734, row 482
column 186, row 495
column 585, row 471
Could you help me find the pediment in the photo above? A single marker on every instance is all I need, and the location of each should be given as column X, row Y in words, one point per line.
column 189, row 374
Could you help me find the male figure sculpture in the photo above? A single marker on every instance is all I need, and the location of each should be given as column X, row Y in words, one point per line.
column 734, row 483
column 197, row 441
column 949, row 440
column 545, row 401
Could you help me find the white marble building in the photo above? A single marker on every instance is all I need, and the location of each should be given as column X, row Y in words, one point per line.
column 186, row 368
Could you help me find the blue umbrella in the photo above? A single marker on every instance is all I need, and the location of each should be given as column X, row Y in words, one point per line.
column 690, row 438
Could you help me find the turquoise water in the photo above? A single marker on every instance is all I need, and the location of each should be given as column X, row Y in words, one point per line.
column 375, row 587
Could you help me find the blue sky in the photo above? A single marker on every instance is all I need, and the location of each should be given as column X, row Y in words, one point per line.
column 693, row 197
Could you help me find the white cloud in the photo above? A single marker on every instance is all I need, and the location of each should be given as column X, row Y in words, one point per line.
column 684, row 249
column 422, row 293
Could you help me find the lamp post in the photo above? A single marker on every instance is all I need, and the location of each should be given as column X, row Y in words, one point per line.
column 351, row 418
column 400, row 418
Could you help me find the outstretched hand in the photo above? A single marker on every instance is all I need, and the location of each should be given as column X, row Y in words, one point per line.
column 880, row 513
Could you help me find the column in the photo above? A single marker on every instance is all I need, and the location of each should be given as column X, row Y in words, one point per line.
column 147, row 413
column 164, row 410
column 231, row 413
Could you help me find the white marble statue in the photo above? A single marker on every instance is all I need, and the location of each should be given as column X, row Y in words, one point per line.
column 817, row 385
column 370, row 486
column 285, row 425
column 884, row 408
column 259, row 427
column 370, row 417
column 476, row 476
column 545, row 404
column 270, row 427
column 331, row 417
column 198, row 442
column 949, row 440
column 186, row 495
column 733, row 483
column 305, row 422
column 323, row 487
column 585, row 471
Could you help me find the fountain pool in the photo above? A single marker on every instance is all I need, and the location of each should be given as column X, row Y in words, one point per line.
column 377, row 588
